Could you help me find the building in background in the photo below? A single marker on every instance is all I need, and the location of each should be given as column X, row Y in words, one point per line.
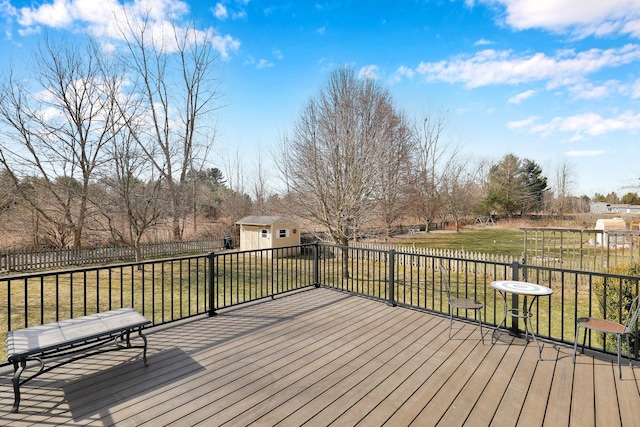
column 613, row 208
column 269, row 232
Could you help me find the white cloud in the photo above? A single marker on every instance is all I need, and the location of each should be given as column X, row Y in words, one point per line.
column 220, row 11
column 586, row 125
column 108, row 47
column 483, row 42
column 518, row 98
column 24, row 32
column 578, row 17
column 405, row 71
column 635, row 89
column 263, row 63
column 106, row 19
column 400, row 73
column 321, row 30
column 584, row 153
column 249, row 60
column 368, row 72
column 7, row 9
column 278, row 54
column 519, row 124
column 225, row 44
column 492, row 67
column 240, row 14
column 327, row 64
column 588, row 90
column 57, row 15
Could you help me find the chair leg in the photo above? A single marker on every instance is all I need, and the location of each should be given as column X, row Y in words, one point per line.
column 575, row 343
column 480, row 324
column 628, row 350
column 450, row 320
column 619, row 338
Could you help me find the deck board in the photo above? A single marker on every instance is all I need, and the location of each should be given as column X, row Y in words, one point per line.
column 322, row 357
column 474, row 389
column 558, row 407
column 604, row 385
column 583, row 395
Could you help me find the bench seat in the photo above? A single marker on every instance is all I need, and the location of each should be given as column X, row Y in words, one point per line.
column 69, row 337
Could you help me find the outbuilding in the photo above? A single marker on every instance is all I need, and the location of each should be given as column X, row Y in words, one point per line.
column 269, row 232
column 606, row 225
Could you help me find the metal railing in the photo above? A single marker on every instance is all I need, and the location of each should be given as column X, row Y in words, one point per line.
column 172, row 289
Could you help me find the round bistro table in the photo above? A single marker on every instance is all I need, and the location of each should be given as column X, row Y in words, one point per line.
column 526, row 289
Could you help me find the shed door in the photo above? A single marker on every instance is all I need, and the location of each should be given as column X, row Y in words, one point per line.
column 252, row 234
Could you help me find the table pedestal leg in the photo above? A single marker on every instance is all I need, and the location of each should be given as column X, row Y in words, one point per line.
column 517, row 313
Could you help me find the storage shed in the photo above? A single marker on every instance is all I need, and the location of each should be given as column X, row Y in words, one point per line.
column 607, row 225
column 269, row 232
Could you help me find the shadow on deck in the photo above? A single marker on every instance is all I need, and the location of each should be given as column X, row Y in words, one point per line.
column 322, row 357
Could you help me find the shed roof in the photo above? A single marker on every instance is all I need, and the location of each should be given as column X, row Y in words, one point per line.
column 259, row 220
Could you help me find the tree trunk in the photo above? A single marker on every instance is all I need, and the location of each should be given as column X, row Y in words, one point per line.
column 345, row 262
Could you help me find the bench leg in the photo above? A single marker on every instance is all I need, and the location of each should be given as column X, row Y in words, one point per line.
column 18, row 367
column 126, row 337
column 144, row 350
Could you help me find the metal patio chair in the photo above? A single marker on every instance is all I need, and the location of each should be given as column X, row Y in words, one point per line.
column 610, row 327
column 460, row 303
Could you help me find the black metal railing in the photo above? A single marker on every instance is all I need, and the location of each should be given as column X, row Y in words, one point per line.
column 163, row 290
column 172, row 289
column 413, row 280
column 244, row 276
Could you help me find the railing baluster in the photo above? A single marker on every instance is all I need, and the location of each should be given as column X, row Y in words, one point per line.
column 214, row 281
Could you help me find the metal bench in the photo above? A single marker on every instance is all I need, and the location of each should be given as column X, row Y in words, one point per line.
column 71, row 337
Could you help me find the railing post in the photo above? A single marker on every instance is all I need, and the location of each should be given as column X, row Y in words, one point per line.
column 211, row 256
column 515, row 275
column 316, row 265
column 392, row 275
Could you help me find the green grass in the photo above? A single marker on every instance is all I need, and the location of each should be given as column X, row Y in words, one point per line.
column 43, row 299
column 491, row 240
column 242, row 278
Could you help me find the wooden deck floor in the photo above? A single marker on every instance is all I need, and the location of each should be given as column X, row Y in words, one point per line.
column 321, row 357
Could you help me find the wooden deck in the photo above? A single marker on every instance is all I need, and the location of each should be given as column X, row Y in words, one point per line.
column 321, row 357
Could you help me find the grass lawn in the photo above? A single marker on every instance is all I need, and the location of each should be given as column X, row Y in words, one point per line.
column 173, row 288
column 494, row 240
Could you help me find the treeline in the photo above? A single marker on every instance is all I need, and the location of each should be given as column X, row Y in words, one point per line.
column 102, row 148
column 356, row 165
column 112, row 144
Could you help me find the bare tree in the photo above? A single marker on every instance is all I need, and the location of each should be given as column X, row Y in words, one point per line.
column 393, row 188
column 236, row 203
column 563, row 183
column 332, row 160
column 259, row 187
column 174, row 74
column 56, row 131
column 426, row 179
column 459, row 189
column 131, row 200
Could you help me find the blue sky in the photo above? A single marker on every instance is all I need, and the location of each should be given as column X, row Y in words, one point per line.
column 555, row 81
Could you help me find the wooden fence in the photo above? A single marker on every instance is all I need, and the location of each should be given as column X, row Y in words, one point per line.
column 573, row 249
column 433, row 252
column 24, row 261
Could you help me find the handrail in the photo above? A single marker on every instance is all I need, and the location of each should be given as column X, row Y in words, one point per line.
column 167, row 290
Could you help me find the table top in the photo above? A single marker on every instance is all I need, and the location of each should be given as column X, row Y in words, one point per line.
column 523, row 288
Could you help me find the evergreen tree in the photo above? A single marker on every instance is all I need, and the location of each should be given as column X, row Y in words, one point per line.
column 515, row 186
